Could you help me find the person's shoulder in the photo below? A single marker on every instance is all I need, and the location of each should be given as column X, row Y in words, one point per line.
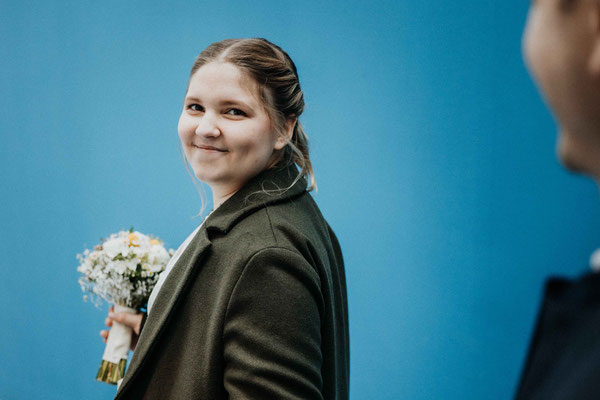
column 295, row 224
column 584, row 288
column 299, row 225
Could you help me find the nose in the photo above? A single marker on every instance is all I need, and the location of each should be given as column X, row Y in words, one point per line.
column 207, row 126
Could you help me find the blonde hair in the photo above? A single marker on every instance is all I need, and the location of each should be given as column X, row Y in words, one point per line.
column 279, row 89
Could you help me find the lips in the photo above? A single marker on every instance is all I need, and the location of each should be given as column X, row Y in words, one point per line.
column 209, row 148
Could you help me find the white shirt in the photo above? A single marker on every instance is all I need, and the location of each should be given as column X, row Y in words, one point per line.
column 170, row 264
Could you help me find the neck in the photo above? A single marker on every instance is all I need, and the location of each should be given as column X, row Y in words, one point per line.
column 220, row 195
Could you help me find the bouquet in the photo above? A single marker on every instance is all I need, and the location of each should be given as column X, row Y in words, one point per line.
column 122, row 270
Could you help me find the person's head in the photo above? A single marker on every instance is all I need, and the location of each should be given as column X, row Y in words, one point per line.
column 561, row 44
column 240, row 114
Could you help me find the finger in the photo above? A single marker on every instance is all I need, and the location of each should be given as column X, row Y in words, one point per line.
column 131, row 320
column 104, row 334
column 108, row 321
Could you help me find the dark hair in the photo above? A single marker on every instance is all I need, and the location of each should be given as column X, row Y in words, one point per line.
column 279, row 88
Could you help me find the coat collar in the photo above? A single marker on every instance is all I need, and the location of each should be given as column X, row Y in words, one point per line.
column 270, row 186
column 252, row 196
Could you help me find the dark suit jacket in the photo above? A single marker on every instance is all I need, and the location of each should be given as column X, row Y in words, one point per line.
column 255, row 307
column 564, row 355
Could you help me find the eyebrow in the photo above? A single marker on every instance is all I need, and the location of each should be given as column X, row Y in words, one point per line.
column 226, row 102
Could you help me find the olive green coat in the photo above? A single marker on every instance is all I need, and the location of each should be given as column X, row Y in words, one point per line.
column 255, row 307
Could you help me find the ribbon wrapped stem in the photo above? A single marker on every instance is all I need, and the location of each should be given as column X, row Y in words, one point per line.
column 114, row 360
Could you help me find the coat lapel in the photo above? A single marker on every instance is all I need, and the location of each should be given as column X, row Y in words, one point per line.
column 166, row 299
column 270, row 186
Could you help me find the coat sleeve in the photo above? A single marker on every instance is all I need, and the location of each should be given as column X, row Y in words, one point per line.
column 272, row 332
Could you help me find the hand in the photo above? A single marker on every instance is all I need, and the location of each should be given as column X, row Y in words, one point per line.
column 134, row 321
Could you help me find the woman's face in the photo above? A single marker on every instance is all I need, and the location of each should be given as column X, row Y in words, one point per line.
column 226, row 134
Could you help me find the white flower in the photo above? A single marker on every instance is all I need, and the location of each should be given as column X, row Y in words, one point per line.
column 113, row 246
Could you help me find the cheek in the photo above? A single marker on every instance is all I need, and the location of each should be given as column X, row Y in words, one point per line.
column 255, row 139
column 256, row 151
column 184, row 128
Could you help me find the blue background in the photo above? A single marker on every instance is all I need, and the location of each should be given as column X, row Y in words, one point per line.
column 433, row 153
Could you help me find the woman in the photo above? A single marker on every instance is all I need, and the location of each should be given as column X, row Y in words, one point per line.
column 254, row 306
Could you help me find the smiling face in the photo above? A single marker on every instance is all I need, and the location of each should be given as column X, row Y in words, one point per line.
column 561, row 47
column 225, row 131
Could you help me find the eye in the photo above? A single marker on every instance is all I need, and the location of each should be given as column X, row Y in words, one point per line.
column 195, row 107
column 236, row 112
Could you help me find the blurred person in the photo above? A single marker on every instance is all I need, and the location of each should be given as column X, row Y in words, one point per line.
column 561, row 46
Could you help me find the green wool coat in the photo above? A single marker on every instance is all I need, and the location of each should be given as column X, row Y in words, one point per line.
column 255, row 307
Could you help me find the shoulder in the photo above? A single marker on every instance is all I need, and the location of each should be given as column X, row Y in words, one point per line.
column 280, row 224
column 292, row 225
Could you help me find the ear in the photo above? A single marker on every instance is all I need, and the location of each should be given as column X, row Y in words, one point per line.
column 594, row 60
column 283, row 140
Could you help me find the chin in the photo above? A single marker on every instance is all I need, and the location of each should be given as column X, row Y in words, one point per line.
column 571, row 163
column 572, row 159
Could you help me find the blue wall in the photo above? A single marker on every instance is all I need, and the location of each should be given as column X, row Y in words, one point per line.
column 434, row 158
